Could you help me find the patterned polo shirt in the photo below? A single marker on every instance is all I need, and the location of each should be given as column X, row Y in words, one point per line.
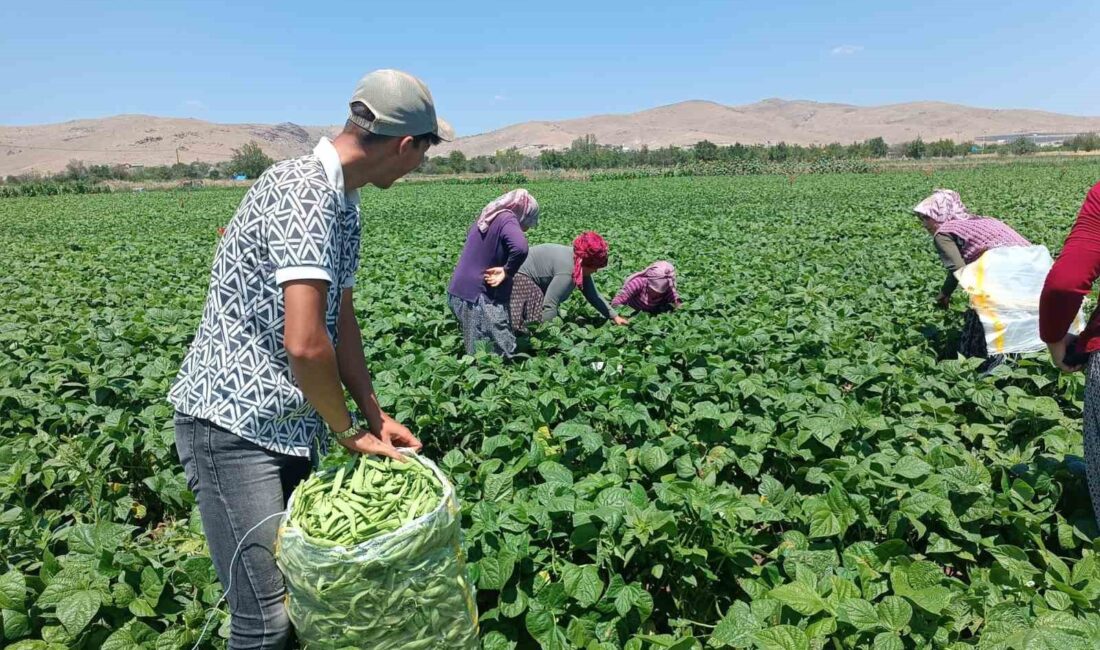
column 296, row 222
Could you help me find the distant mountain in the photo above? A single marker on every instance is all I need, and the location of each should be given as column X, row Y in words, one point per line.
column 148, row 140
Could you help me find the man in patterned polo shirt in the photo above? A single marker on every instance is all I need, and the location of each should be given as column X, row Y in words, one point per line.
column 278, row 344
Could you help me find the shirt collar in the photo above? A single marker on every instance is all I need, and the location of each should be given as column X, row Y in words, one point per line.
column 330, row 161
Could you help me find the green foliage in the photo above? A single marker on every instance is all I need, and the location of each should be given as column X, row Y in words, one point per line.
column 510, row 178
column 457, row 162
column 916, row 149
column 586, row 153
column 81, row 178
column 788, row 168
column 509, row 160
column 249, row 160
column 877, row 147
column 943, row 149
column 52, row 188
column 1022, row 146
column 782, row 463
column 705, row 150
column 1083, row 142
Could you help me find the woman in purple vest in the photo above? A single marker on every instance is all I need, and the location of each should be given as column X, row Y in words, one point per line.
column 481, row 286
column 960, row 239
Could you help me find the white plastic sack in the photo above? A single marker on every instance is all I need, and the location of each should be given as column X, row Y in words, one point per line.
column 405, row 590
column 1004, row 285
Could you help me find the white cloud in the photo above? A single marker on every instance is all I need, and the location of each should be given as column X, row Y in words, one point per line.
column 500, row 98
column 847, row 50
column 195, row 104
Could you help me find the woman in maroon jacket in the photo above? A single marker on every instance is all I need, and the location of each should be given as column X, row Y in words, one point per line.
column 1067, row 284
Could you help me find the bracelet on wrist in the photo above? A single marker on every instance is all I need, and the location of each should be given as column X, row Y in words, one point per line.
column 352, row 429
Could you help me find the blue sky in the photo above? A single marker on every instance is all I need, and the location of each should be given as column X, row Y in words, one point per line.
column 490, row 64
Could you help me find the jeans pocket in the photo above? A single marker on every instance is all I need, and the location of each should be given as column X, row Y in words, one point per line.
column 185, row 448
column 182, row 419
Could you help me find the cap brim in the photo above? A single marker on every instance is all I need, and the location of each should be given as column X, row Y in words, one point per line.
column 444, row 130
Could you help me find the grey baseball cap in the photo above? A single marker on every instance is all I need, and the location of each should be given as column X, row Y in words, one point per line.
column 401, row 103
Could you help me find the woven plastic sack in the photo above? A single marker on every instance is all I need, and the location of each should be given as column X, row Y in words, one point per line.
column 405, row 590
column 1004, row 285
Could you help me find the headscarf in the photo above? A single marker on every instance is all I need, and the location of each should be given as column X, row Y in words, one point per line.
column 518, row 202
column 660, row 277
column 944, row 206
column 589, row 249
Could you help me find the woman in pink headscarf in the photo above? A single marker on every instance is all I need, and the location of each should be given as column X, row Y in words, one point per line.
column 481, row 287
column 961, row 238
column 652, row 290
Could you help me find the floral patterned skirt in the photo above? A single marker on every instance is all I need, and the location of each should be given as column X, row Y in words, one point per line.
column 526, row 303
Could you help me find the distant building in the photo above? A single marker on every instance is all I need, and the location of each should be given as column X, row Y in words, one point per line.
column 1041, row 139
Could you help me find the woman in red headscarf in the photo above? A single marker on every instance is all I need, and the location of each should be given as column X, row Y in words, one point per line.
column 550, row 274
column 1068, row 282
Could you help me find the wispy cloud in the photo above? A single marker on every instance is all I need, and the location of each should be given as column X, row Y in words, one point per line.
column 847, row 50
column 195, row 104
column 500, row 98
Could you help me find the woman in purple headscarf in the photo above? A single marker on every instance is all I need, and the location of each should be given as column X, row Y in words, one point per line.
column 652, row 290
column 481, row 286
column 961, row 238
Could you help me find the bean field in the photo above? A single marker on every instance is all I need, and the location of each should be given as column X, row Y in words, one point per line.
column 793, row 460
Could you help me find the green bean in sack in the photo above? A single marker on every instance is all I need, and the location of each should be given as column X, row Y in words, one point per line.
column 372, row 557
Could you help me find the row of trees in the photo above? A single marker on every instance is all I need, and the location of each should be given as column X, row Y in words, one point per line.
column 1083, row 142
column 1020, row 147
column 249, row 161
column 585, row 153
column 947, row 148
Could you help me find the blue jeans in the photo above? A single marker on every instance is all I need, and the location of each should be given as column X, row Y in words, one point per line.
column 237, row 484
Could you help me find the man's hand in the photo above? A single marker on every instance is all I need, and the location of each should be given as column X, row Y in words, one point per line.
column 398, row 435
column 368, row 443
column 495, row 276
column 1058, row 351
column 943, row 301
column 620, row 321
